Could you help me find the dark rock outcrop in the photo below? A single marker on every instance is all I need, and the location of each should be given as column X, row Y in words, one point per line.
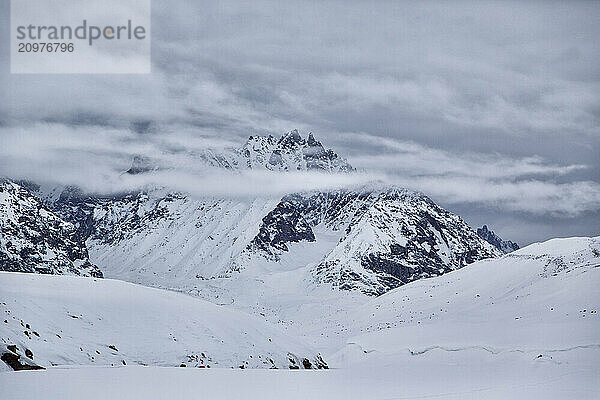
column 13, row 359
column 505, row 246
column 283, row 225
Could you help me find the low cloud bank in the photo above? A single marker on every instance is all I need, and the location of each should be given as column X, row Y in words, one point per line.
column 95, row 158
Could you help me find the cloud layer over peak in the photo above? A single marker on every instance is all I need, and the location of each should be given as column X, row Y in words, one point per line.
column 491, row 108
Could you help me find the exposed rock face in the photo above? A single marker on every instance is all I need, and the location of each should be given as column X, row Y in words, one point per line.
column 34, row 239
column 505, row 246
column 283, row 225
column 290, row 153
column 10, row 355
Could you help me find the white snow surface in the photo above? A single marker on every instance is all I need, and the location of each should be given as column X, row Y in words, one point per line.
column 540, row 300
column 77, row 321
column 521, row 326
column 427, row 377
column 198, row 239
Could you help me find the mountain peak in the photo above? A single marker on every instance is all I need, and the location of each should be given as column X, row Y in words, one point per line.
column 506, row 246
column 291, row 139
column 291, row 152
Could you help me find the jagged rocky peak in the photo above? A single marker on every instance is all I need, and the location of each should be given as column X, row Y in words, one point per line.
column 291, row 152
column 291, row 140
column 505, row 246
column 312, row 142
column 34, row 239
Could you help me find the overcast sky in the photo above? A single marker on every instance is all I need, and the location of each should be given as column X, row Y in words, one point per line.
column 492, row 109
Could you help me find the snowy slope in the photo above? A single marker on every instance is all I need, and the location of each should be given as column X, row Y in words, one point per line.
column 84, row 321
column 523, row 326
column 541, row 300
column 173, row 240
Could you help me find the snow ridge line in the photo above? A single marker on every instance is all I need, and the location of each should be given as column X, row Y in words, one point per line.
column 495, row 351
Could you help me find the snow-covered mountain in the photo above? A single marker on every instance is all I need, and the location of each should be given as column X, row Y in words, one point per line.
column 371, row 238
column 289, row 153
column 505, row 246
column 34, row 239
column 385, row 237
column 61, row 320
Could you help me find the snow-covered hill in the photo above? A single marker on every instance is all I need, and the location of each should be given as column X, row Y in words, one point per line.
column 366, row 239
column 539, row 302
column 370, row 239
column 83, row 321
column 521, row 326
column 383, row 237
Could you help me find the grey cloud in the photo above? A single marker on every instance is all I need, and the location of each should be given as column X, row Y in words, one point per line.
column 502, row 99
column 95, row 158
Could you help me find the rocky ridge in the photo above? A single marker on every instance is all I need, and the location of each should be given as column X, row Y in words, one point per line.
column 505, row 246
column 34, row 239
